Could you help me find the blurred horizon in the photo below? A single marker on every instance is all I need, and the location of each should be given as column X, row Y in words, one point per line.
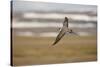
column 40, row 18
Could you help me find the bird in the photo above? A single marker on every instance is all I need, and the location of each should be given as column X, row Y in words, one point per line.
column 65, row 29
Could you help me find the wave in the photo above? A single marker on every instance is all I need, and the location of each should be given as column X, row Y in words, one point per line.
column 47, row 34
column 50, row 24
column 79, row 17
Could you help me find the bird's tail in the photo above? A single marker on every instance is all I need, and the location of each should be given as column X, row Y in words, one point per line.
column 74, row 33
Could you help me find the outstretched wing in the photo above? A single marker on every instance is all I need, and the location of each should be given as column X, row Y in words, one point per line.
column 59, row 36
column 65, row 23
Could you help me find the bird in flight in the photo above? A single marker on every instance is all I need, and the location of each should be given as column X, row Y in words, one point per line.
column 63, row 31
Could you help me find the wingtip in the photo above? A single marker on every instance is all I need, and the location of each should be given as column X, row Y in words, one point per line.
column 53, row 44
column 66, row 18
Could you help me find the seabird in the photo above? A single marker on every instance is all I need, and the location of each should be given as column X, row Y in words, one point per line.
column 63, row 31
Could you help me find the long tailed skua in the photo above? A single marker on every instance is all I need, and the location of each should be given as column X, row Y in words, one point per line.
column 63, row 31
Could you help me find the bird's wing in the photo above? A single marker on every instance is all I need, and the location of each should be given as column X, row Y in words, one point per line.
column 65, row 23
column 59, row 36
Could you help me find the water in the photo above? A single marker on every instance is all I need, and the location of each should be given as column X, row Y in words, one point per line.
column 52, row 24
column 45, row 19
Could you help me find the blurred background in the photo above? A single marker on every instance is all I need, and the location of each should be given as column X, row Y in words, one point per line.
column 36, row 24
column 43, row 19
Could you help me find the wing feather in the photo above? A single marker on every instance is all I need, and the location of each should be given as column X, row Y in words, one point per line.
column 59, row 36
